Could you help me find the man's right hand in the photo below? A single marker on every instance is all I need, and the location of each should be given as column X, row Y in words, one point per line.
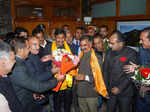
column 55, row 70
column 46, row 58
column 80, row 77
column 130, row 68
column 60, row 77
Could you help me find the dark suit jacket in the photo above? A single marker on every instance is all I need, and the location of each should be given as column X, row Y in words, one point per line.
column 74, row 48
column 36, row 68
column 114, row 75
column 25, row 85
column 46, row 51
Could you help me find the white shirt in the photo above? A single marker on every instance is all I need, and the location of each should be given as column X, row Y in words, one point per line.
column 4, row 107
column 44, row 44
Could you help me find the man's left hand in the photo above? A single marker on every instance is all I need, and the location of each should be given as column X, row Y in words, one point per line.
column 115, row 90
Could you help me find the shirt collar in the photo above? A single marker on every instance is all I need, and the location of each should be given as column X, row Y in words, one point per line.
column 44, row 44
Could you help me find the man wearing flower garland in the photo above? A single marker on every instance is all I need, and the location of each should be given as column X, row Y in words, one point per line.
column 142, row 104
column 90, row 80
column 118, row 85
column 62, row 98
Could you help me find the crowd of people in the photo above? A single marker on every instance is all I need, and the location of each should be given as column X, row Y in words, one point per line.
column 27, row 72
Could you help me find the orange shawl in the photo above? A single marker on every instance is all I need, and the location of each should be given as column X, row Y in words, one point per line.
column 100, row 86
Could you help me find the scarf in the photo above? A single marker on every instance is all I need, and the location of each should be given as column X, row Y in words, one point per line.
column 69, row 79
column 100, row 86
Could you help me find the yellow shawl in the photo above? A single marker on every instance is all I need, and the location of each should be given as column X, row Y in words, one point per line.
column 68, row 81
column 100, row 86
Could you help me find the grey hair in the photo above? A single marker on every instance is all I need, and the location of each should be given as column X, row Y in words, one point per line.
column 5, row 50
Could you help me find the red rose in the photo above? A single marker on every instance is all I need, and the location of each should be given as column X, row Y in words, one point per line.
column 123, row 59
column 145, row 72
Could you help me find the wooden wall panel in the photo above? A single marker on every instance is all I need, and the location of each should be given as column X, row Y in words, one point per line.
column 59, row 24
column 148, row 7
column 30, row 25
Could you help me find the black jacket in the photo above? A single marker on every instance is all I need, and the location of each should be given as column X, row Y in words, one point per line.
column 114, row 75
column 25, row 85
column 8, row 91
column 37, row 69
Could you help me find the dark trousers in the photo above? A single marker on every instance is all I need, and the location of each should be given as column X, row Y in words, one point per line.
column 75, row 104
column 123, row 102
column 63, row 100
column 34, row 107
column 51, row 101
column 142, row 104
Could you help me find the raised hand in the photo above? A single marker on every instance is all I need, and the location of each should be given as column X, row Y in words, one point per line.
column 46, row 58
column 60, row 77
column 130, row 68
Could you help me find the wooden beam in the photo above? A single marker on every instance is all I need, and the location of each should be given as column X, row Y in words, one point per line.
column 99, row 1
column 117, row 7
column 60, row 3
column 125, row 18
column 148, row 7
column 13, row 13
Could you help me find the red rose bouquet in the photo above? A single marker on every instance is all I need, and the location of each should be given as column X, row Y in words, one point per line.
column 66, row 61
column 141, row 78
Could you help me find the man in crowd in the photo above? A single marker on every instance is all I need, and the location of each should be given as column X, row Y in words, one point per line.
column 74, row 48
column 45, row 51
column 142, row 103
column 89, row 69
column 98, row 44
column 45, row 46
column 69, row 39
column 52, row 34
column 119, row 86
column 21, row 32
column 42, row 27
column 77, row 35
column 8, row 99
column 37, row 70
column 65, row 27
column 91, row 30
column 63, row 98
column 23, row 82
column 103, row 30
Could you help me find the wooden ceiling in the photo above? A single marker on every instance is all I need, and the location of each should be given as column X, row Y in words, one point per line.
column 40, row 2
column 28, row 2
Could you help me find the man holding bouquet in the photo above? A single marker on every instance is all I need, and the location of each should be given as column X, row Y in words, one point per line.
column 142, row 104
column 63, row 95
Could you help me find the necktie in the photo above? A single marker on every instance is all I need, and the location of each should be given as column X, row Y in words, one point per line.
column 77, row 42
